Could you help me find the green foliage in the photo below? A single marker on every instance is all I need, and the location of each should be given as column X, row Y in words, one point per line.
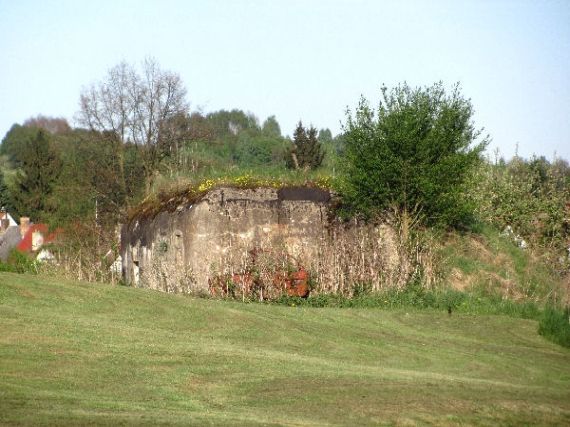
column 325, row 137
column 334, row 151
column 69, row 176
column 226, row 142
column 554, row 325
column 418, row 298
column 306, row 151
column 528, row 195
column 230, row 123
column 259, row 150
column 16, row 142
column 40, row 168
column 5, row 194
column 19, row 262
column 133, row 170
column 271, row 127
column 91, row 180
column 415, row 154
column 195, row 146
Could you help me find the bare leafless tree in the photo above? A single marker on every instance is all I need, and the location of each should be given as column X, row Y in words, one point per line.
column 54, row 125
column 135, row 107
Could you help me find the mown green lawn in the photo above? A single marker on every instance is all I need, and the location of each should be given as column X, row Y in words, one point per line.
column 93, row 354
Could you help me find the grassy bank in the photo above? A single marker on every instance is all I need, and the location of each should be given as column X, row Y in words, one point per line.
column 93, row 354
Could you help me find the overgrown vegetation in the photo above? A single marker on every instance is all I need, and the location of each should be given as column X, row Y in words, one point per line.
column 188, row 191
column 489, row 261
column 533, row 198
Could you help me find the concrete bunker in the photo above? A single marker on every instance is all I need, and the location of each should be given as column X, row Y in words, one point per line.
column 253, row 235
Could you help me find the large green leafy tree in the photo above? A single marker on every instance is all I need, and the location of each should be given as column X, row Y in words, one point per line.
column 413, row 154
column 40, row 168
column 271, row 127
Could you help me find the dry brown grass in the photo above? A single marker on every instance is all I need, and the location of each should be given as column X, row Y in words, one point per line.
column 492, row 263
column 351, row 256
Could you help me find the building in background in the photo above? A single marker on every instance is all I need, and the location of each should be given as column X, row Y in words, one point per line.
column 27, row 237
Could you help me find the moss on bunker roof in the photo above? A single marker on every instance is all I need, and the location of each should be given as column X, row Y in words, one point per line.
column 169, row 200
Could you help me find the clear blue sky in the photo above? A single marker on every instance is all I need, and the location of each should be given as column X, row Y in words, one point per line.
column 306, row 60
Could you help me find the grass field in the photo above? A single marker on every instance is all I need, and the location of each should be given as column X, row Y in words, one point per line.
column 93, row 354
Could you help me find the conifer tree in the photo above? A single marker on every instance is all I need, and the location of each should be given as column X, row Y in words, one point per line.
column 306, row 152
column 36, row 178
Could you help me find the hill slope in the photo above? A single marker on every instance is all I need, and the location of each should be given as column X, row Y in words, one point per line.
column 90, row 354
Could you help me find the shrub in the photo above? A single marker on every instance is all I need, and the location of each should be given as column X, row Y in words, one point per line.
column 414, row 154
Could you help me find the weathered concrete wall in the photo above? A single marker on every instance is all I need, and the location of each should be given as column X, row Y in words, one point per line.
column 182, row 251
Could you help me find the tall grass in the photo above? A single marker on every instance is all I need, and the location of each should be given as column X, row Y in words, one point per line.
column 554, row 325
column 416, row 297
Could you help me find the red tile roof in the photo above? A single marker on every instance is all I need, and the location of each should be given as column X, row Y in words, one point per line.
column 25, row 244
